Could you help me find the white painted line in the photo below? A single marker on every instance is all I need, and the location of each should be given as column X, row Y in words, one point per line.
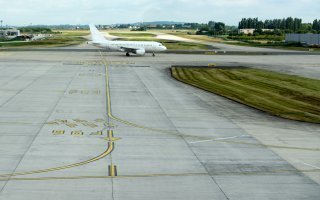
column 200, row 141
column 218, row 139
column 310, row 165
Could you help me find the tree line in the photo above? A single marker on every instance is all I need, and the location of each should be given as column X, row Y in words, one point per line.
column 316, row 25
column 42, row 30
column 288, row 24
column 212, row 28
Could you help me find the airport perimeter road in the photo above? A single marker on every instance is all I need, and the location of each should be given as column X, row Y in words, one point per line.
column 91, row 125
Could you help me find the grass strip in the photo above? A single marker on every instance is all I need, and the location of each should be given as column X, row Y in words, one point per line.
column 47, row 42
column 287, row 96
column 133, row 34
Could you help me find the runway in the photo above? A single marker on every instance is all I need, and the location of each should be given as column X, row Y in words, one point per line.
column 96, row 125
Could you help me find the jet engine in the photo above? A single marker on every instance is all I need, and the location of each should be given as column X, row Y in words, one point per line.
column 140, row 52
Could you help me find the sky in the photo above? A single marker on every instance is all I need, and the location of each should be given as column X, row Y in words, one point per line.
column 26, row 12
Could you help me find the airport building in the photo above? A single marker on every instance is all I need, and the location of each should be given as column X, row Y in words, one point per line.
column 307, row 39
column 10, row 33
column 251, row 30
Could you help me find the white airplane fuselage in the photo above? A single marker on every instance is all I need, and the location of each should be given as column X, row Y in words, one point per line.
column 117, row 45
column 136, row 47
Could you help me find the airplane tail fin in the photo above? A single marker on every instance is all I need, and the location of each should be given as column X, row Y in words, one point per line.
column 96, row 34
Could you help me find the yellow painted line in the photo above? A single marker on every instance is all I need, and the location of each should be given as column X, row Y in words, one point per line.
column 106, row 177
column 52, row 123
column 58, row 132
column 110, row 137
column 161, row 175
column 97, row 133
column 111, row 116
column 86, row 123
column 99, row 157
column 100, row 120
column 113, row 139
column 21, row 123
column 76, row 133
column 5, row 53
column 121, row 120
column 112, row 170
column 212, row 65
column 71, row 125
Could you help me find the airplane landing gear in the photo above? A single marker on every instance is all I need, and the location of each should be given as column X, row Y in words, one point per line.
column 127, row 54
column 153, row 54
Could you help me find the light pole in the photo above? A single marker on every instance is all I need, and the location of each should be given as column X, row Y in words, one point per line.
column 1, row 21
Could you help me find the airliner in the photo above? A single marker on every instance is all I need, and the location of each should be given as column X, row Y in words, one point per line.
column 136, row 47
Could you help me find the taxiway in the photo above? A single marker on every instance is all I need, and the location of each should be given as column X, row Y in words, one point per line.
column 96, row 125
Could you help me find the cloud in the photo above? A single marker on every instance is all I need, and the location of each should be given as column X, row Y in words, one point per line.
column 121, row 11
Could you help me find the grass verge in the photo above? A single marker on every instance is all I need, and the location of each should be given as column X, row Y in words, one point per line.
column 133, row 34
column 48, row 42
column 287, row 96
column 74, row 33
column 276, row 45
column 173, row 45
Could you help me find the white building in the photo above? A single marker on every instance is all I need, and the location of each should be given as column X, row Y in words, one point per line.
column 247, row 31
column 10, row 33
column 251, row 30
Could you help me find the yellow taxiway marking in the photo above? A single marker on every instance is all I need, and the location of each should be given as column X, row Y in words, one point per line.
column 160, row 175
column 22, row 123
column 76, row 133
column 111, row 116
column 5, row 53
column 112, row 170
column 105, row 177
column 86, row 123
column 110, row 137
column 99, row 157
column 58, row 132
column 97, row 133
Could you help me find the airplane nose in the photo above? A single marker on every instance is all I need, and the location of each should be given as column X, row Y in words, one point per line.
column 164, row 48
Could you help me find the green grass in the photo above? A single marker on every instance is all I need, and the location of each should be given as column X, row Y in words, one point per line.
column 172, row 45
column 258, row 37
column 75, row 33
column 133, row 34
column 140, row 39
column 48, row 42
column 276, row 45
column 286, row 96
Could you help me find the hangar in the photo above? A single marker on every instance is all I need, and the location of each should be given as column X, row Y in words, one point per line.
column 307, row 39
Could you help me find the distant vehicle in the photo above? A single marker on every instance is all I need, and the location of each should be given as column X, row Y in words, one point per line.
column 135, row 47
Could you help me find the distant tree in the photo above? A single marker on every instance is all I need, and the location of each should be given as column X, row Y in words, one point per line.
column 42, row 30
column 316, row 25
column 212, row 28
column 219, row 28
column 260, row 25
column 305, row 28
column 143, row 28
column 297, row 23
column 290, row 24
column 211, row 24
